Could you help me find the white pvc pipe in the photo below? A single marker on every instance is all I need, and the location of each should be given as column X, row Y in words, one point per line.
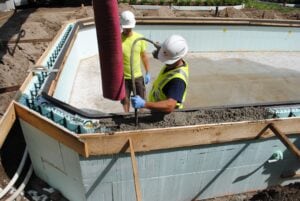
column 22, row 186
column 16, row 176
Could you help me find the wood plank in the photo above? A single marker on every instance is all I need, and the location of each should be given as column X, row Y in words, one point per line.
column 35, row 40
column 51, row 129
column 86, row 20
column 136, row 178
column 62, row 65
column 9, row 89
column 50, row 46
column 26, row 82
column 285, row 140
column 23, row 86
column 5, row 17
column 6, row 122
column 52, row 87
column 166, row 138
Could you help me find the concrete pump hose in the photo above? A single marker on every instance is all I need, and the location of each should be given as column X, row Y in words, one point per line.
column 110, row 48
column 22, row 186
column 16, row 175
column 131, row 59
column 131, row 69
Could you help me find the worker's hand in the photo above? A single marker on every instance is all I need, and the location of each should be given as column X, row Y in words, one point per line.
column 147, row 78
column 137, row 102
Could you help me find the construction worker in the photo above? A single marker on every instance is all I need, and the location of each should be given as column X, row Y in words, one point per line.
column 128, row 37
column 169, row 89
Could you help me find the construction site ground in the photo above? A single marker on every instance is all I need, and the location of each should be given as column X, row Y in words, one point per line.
column 25, row 35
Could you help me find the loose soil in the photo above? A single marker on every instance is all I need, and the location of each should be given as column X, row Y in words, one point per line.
column 43, row 23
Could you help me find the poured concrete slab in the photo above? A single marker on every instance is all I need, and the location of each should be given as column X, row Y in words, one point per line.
column 216, row 79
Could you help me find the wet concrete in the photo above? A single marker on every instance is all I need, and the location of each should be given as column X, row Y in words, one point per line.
column 182, row 118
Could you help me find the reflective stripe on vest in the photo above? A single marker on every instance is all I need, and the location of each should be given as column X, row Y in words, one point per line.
column 157, row 94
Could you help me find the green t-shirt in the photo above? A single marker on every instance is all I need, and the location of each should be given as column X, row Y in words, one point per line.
column 140, row 47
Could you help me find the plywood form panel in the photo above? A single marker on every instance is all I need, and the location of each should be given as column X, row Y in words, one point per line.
column 176, row 137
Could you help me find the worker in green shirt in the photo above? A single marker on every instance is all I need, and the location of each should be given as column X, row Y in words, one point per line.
column 128, row 37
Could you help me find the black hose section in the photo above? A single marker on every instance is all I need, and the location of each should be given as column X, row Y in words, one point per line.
column 131, row 71
column 131, row 59
column 73, row 110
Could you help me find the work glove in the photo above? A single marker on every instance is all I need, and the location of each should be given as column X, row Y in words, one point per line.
column 147, row 78
column 137, row 102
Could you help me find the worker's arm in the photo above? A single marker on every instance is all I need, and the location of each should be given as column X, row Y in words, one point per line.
column 145, row 61
column 164, row 106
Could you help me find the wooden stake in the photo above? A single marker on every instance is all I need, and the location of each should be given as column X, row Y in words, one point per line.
column 7, row 122
column 135, row 172
column 9, row 89
column 285, row 140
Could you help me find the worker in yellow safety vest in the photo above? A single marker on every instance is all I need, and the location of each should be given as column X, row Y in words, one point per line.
column 169, row 89
column 128, row 36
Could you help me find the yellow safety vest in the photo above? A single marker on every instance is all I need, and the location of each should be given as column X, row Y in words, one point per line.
column 157, row 94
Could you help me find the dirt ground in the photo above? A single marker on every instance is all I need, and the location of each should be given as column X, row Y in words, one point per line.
column 25, row 35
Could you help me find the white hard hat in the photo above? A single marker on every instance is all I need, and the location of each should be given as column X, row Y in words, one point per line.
column 127, row 19
column 173, row 49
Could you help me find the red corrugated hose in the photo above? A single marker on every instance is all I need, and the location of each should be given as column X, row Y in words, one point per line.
column 110, row 48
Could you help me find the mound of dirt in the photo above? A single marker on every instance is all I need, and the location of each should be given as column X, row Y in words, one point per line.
column 269, row 14
column 125, row 6
column 165, row 11
column 290, row 192
column 232, row 13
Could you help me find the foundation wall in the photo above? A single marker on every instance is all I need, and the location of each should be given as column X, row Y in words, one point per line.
column 54, row 162
column 173, row 174
column 213, row 38
column 190, row 173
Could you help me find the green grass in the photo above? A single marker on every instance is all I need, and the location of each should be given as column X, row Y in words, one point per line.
column 268, row 6
column 248, row 3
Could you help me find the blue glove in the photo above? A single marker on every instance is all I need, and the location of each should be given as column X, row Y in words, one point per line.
column 147, row 78
column 137, row 102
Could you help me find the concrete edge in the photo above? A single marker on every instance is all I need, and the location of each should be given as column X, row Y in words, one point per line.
column 187, row 8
